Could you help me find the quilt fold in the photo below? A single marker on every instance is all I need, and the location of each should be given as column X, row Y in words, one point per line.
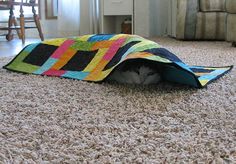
column 94, row 57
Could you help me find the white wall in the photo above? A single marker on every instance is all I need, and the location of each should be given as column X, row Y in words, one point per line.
column 159, row 17
column 49, row 26
column 85, row 25
column 141, row 18
column 151, row 17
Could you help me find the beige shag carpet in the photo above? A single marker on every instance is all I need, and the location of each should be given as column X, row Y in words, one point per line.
column 53, row 120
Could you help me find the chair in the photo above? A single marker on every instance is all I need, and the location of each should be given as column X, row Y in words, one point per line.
column 12, row 22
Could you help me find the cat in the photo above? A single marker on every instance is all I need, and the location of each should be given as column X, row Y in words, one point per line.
column 140, row 72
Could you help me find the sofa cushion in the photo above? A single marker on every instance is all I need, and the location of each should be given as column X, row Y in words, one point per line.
column 211, row 25
column 212, row 5
column 231, row 27
column 231, row 6
column 186, row 19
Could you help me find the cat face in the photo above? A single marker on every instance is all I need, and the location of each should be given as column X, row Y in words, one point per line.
column 146, row 75
column 136, row 72
column 140, row 75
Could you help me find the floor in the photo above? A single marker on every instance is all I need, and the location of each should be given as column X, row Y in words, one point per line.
column 13, row 47
column 57, row 120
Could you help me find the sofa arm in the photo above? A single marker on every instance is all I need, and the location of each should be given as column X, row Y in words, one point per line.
column 186, row 19
column 231, row 21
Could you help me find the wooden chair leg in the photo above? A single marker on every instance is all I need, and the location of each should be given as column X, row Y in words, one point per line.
column 9, row 36
column 18, row 31
column 37, row 23
column 22, row 25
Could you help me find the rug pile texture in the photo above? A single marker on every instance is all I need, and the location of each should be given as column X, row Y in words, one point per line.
column 52, row 120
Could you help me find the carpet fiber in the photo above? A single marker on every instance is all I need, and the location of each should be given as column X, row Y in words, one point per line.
column 48, row 119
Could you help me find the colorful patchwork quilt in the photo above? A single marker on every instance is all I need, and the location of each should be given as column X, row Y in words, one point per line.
column 94, row 57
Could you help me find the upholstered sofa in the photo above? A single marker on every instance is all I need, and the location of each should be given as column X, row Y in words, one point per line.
column 204, row 19
column 231, row 21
